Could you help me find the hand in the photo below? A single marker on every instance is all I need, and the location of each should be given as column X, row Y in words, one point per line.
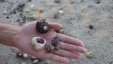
column 70, row 47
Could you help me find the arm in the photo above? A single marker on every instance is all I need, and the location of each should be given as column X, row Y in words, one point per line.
column 7, row 34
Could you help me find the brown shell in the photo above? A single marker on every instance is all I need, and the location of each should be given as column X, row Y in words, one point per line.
column 55, row 43
column 49, row 48
column 61, row 30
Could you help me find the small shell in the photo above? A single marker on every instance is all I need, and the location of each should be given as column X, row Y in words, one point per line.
column 61, row 31
column 25, row 55
column 49, row 48
column 37, row 43
column 35, row 61
column 89, row 54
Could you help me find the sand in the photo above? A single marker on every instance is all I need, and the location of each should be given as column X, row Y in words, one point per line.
column 76, row 18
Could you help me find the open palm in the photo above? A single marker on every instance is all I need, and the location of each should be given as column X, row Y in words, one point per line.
column 69, row 47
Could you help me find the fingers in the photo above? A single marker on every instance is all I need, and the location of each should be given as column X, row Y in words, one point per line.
column 55, row 26
column 71, row 47
column 67, row 54
column 50, row 56
column 54, row 57
column 70, row 40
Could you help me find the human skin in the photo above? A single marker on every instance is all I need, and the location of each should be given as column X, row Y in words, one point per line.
column 20, row 37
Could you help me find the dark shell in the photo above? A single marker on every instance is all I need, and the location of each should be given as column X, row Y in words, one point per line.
column 42, row 26
column 53, row 46
column 57, row 48
column 55, row 41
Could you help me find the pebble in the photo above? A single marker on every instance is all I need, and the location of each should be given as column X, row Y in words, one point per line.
column 111, row 62
column 23, row 63
column 5, row 12
column 29, row 0
column 20, row 7
column 97, row 1
column 41, row 11
column 61, row 12
column 7, row 17
column 56, row 15
column 1, row 1
column 91, row 26
column 57, row 1
column 19, row 54
column 32, row 5
column 111, row 40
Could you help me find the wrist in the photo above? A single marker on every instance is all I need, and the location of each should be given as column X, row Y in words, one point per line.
column 16, row 40
column 8, row 33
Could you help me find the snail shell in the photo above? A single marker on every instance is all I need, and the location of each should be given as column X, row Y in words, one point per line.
column 38, row 43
